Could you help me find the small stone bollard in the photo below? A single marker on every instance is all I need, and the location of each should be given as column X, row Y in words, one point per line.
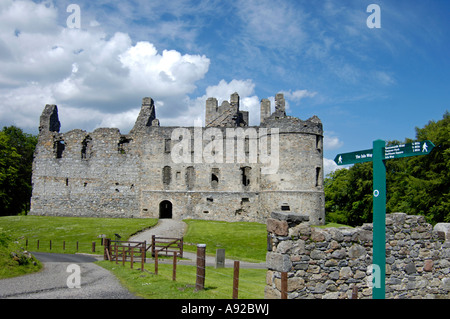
column 220, row 258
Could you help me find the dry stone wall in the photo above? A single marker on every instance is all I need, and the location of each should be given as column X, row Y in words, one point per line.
column 328, row 263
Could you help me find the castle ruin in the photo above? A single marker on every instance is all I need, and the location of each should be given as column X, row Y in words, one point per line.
column 226, row 170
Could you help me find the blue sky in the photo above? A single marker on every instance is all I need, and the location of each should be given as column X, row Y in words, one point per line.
column 363, row 83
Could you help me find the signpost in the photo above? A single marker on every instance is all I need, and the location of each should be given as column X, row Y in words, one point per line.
column 377, row 156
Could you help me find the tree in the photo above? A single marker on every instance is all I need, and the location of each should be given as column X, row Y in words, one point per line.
column 16, row 159
column 417, row 185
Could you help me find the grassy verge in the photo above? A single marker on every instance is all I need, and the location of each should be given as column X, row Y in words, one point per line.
column 14, row 261
column 241, row 240
column 85, row 230
column 218, row 282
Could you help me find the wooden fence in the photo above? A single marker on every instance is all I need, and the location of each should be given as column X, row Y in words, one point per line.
column 133, row 251
column 167, row 245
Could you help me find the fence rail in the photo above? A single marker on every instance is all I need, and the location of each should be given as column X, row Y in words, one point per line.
column 168, row 245
column 134, row 251
column 57, row 245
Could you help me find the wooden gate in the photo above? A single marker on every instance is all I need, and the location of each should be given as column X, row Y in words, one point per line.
column 167, row 245
column 132, row 251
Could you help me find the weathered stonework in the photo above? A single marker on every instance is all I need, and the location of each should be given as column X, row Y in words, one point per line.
column 108, row 174
column 328, row 263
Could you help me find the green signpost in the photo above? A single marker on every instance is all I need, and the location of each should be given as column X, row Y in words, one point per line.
column 377, row 156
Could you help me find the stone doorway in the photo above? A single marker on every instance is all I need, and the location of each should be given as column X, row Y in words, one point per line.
column 165, row 209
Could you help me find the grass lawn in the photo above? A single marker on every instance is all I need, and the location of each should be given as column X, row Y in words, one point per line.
column 241, row 240
column 85, row 230
column 10, row 267
column 218, row 282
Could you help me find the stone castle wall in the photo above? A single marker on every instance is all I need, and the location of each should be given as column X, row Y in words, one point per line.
column 105, row 173
column 328, row 263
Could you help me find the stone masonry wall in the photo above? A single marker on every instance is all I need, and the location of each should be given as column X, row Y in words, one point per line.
column 328, row 263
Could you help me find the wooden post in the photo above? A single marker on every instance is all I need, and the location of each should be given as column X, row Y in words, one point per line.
column 106, row 249
column 236, row 280
column 200, row 282
column 26, row 243
column 153, row 245
column 93, row 246
column 156, row 262
column 123, row 256
column 174, row 272
column 131, row 253
column 77, row 245
column 181, row 247
column 355, row 292
column 37, row 246
column 284, row 285
column 117, row 252
column 64, row 245
column 143, row 255
column 50, row 244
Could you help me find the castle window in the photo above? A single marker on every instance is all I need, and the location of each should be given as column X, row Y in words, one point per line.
column 123, row 145
column 86, row 148
column 319, row 143
column 167, row 175
column 214, row 177
column 245, row 175
column 285, row 207
column 190, row 177
column 318, row 177
column 167, row 145
column 58, row 148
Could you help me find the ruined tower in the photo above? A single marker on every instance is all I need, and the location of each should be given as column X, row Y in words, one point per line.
column 226, row 170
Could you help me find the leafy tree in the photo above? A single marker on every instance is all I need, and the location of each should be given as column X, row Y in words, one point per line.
column 16, row 158
column 418, row 185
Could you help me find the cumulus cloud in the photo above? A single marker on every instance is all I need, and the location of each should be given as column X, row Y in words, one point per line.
column 298, row 94
column 329, row 166
column 331, row 142
column 42, row 62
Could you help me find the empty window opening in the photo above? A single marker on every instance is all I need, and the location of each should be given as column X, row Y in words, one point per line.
column 58, row 148
column 285, row 207
column 206, row 212
column 210, row 199
column 318, row 177
column 67, row 182
column 123, row 145
column 165, row 209
column 167, row 175
column 85, row 184
column 190, row 177
column 86, row 148
column 215, row 177
column 245, row 200
column 319, row 143
column 245, row 175
column 167, row 145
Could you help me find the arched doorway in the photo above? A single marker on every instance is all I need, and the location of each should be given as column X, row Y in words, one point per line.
column 165, row 209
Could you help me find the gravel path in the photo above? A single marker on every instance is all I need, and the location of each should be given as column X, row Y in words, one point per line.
column 165, row 228
column 51, row 281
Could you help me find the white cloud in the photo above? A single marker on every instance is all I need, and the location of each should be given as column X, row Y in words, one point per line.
column 298, row 95
column 331, row 142
column 42, row 62
column 329, row 166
